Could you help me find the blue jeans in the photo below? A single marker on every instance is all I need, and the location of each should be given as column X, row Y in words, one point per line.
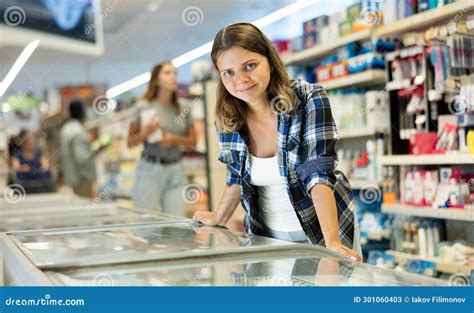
column 159, row 186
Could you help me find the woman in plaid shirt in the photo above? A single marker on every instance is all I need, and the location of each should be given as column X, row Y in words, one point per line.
column 277, row 139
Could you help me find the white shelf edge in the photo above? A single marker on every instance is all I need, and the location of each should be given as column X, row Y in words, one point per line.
column 366, row 78
column 325, row 48
column 421, row 20
column 441, row 266
column 428, row 159
column 450, row 214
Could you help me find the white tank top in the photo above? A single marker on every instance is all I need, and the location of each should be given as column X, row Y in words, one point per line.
column 276, row 209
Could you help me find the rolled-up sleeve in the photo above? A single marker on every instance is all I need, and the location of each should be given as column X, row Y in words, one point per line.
column 230, row 156
column 319, row 140
column 232, row 178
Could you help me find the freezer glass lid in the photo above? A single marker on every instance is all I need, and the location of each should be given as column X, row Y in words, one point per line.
column 123, row 244
column 75, row 216
column 295, row 267
column 43, row 200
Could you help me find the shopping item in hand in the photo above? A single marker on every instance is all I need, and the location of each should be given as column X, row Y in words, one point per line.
column 146, row 117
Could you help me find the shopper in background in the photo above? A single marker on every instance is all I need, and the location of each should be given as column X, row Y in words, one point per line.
column 164, row 131
column 78, row 162
column 277, row 138
column 31, row 168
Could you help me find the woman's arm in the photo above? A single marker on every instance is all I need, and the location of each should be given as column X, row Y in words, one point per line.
column 317, row 172
column 138, row 134
column 16, row 165
column 326, row 210
column 44, row 164
column 229, row 201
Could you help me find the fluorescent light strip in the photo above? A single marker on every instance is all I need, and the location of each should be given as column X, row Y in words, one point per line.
column 206, row 48
column 17, row 66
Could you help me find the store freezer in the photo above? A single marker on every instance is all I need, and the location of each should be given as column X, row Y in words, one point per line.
column 41, row 200
column 181, row 253
column 299, row 266
column 133, row 243
column 75, row 215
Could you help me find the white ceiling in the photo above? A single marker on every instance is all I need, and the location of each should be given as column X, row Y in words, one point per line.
column 135, row 38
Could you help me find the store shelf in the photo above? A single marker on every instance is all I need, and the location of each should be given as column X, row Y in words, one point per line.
column 359, row 132
column 367, row 78
column 450, row 214
column 428, row 159
column 441, row 266
column 417, row 21
column 363, row 183
column 422, row 20
column 324, row 49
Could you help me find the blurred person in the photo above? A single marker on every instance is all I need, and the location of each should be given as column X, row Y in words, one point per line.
column 277, row 138
column 78, row 164
column 164, row 131
column 31, row 167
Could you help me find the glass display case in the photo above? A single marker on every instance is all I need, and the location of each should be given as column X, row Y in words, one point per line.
column 72, row 216
column 184, row 254
column 133, row 243
column 291, row 267
column 41, row 200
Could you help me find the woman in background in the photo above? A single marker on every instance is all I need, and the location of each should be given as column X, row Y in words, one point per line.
column 31, row 167
column 160, row 177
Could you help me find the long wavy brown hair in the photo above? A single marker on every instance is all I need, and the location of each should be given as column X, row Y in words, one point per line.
column 230, row 111
column 153, row 89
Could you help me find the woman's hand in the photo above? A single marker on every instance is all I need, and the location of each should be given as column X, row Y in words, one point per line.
column 169, row 140
column 205, row 217
column 345, row 251
column 24, row 168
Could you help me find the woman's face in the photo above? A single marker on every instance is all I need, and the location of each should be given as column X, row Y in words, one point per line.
column 167, row 78
column 245, row 74
column 29, row 142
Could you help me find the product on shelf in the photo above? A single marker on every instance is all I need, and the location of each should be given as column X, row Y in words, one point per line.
column 365, row 62
column 377, row 115
column 390, row 185
column 457, row 252
column 453, row 189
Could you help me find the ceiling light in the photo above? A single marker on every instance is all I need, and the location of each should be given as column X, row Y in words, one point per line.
column 17, row 66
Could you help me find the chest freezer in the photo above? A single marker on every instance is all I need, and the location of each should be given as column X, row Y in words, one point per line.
column 133, row 243
column 180, row 254
column 76, row 215
column 299, row 266
column 41, row 200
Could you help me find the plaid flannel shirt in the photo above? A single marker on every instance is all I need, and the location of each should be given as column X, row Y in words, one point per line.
column 306, row 157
